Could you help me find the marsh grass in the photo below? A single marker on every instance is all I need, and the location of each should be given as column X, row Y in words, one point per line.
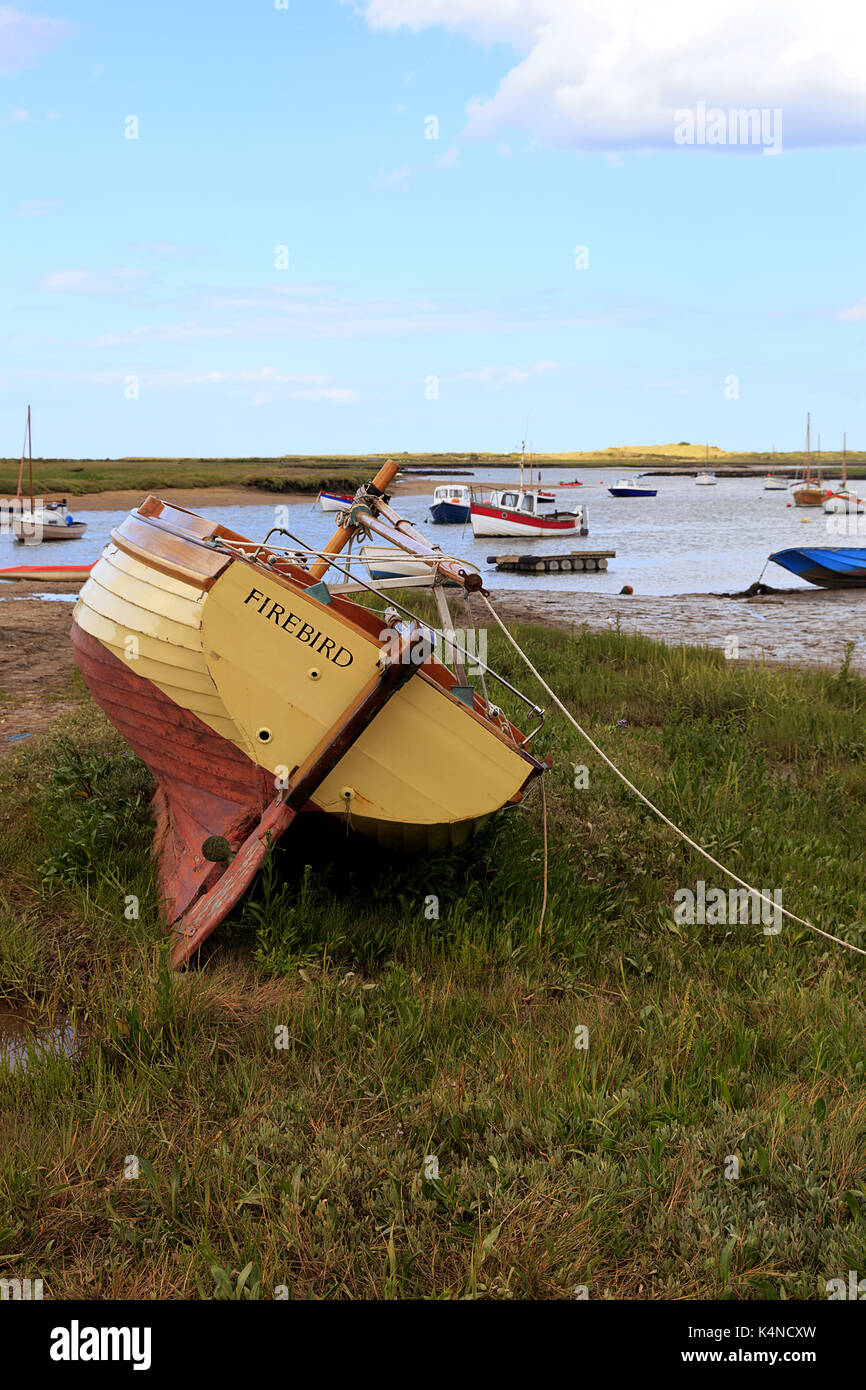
column 282, row 1099
column 309, row 473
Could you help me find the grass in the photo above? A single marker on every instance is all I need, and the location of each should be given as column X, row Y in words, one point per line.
column 307, row 474
column 286, row 1100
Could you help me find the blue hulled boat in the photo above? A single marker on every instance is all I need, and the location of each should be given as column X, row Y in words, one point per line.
column 450, row 505
column 632, row 487
column 832, row 567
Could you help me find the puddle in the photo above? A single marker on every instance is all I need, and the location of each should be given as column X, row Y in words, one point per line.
column 46, row 598
column 21, row 1037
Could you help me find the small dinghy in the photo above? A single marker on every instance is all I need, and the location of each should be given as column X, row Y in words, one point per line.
column 35, row 574
column 254, row 693
column 389, row 562
column 334, row 501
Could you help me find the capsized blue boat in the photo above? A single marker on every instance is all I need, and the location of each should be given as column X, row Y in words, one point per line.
column 833, row 566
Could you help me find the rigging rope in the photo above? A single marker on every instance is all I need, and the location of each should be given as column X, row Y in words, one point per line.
column 655, row 810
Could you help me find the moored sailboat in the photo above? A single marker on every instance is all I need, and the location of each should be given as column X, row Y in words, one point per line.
column 843, row 500
column 810, row 492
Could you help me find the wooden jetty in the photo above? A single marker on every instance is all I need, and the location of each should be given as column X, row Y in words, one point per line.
column 575, row 562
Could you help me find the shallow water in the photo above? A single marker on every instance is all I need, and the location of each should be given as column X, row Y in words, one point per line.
column 21, row 1036
column 687, row 539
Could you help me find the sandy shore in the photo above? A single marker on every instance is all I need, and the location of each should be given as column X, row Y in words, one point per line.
column 199, row 499
column 804, row 628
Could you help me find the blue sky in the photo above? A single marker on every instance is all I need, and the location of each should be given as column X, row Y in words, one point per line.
column 142, row 309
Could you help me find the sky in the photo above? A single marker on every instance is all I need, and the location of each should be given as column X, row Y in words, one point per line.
column 265, row 227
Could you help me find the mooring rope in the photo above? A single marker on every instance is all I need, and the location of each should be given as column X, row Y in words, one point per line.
column 802, row 921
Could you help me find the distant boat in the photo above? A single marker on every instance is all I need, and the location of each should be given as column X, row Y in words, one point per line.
column 450, row 505
column 632, row 487
column 514, row 512
column 48, row 522
column 334, row 501
column 706, row 477
column 810, row 492
column 773, row 483
column 40, row 521
column 844, row 500
column 831, row 567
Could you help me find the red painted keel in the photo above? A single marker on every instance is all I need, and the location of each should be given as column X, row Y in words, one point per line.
column 205, row 785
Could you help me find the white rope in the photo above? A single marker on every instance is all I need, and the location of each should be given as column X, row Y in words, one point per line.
column 655, row 810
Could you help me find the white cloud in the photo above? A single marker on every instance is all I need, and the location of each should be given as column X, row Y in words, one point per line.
column 853, row 313
column 113, row 280
column 612, row 76
column 24, row 37
column 19, row 115
column 498, row 377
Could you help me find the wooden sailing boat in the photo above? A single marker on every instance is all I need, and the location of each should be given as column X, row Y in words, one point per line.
column 810, row 492
column 843, row 500
column 253, row 693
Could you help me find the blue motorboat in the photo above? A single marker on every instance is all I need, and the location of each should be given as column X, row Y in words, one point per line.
column 450, row 505
column 632, row 487
column 832, row 566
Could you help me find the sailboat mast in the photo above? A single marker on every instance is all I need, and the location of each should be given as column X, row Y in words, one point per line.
column 30, row 457
column 844, row 461
column 807, row 462
column 522, row 461
column 23, row 453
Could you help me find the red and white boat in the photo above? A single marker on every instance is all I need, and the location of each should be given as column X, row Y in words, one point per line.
column 515, row 512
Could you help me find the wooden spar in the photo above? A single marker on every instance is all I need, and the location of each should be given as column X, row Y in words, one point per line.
column 191, row 930
column 386, row 523
column 343, row 534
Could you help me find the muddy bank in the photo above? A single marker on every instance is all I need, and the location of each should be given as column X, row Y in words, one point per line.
column 199, row 499
column 809, row 627
column 38, row 677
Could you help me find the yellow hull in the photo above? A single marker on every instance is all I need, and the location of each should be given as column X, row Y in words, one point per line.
column 269, row 669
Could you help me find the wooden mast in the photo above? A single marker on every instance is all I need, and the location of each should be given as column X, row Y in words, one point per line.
column 30, row 457
column 807, row 461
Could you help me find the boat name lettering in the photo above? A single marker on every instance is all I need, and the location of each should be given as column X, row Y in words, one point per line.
column 306, row 633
